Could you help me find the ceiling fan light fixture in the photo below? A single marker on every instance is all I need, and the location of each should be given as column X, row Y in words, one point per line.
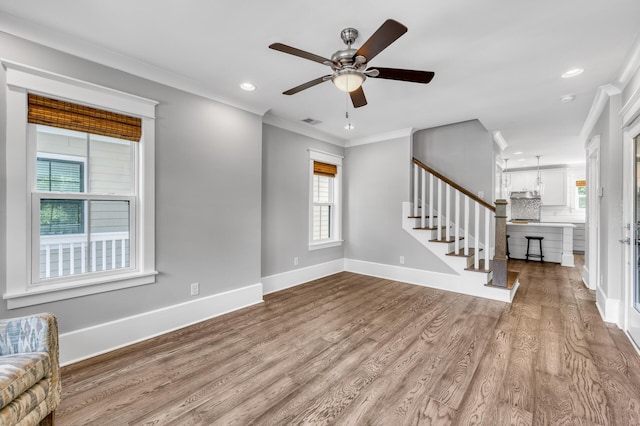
column 348, row 80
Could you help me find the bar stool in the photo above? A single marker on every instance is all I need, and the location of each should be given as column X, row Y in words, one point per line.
column 508, row 254
column 537, row 256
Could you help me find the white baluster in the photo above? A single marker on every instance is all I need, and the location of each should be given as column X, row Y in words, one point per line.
column 487, row 238
column 430, row 200
column 47, row 261
column 93, row 256
column 415, row 190
column 113, row 254
column 423, row 214
column 466, row 225
column 122, row 253
column 456, row 223
column 448, row 208
column 60, row 259
column 72, row 260
column 439, row 232
column 104, row 255
column 476, row 254
column 83, row 257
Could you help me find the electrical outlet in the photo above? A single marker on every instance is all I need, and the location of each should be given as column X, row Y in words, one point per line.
column 295, row 261
column 195, row 289
column 402, row 260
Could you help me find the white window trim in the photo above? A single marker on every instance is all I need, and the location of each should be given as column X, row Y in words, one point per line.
column 20, row 80
column 336, row 239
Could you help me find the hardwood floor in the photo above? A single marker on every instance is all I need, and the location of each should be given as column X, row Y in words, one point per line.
column 353, row 350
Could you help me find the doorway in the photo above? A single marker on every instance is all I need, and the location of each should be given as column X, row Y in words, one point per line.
column 592, row 254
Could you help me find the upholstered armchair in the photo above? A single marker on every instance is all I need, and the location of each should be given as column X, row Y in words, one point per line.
column 29, row 370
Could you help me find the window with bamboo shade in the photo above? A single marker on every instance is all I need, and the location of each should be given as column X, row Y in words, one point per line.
column 324, row 169
column 67, row 115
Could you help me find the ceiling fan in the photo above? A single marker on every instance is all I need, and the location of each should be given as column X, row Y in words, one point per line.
column 349, row 65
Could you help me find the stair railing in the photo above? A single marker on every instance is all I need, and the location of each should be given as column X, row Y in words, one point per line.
column 481, row 208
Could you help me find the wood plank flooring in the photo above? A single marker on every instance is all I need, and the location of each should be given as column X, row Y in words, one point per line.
column 355, row 350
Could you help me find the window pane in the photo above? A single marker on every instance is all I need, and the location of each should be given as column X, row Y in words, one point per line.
column 60, row 175
column 322, row 189
column 582, row 202
column 110, row 235
column 63, row 242
column 110, row 165
column 321, row 222
column 61, row 217
column 61, row 143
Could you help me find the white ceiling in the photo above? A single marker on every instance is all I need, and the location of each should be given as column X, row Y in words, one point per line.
column 496, row 60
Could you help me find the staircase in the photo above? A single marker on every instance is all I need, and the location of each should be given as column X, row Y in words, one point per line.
column 460, row 229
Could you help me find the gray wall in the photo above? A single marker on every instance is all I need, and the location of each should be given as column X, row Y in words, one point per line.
column 378, row 181
column 208, row 194
column 285, row 201
column 463, row 152
column 611, row 255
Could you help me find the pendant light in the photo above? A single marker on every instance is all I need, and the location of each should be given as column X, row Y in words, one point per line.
column 539, row 183
column 506, row 181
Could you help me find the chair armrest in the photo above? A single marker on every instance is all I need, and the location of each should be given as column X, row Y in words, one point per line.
column 33, row 333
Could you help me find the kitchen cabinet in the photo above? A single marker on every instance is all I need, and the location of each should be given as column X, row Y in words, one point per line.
column 555, row 187
column 554, row 180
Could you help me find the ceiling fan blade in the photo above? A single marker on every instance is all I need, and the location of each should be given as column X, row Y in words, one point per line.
column 307, row 85
column 297, row 52
column 357, row 98
column 388, row 32
column 403, row 75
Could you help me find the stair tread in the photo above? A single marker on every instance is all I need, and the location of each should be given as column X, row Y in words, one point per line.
column 450, row 240
column 480, row 267
column 512, row 277
column 419, row 217
column 461, row 253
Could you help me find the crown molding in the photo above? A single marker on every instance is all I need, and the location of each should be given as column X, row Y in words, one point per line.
column 600, row 101
column 395, row 134
column 83, row 49
column 631, row 66
column 499, row 140
column 302, row 129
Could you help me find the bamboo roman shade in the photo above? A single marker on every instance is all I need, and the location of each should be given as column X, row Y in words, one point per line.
column 324, row 169
column 67, row 115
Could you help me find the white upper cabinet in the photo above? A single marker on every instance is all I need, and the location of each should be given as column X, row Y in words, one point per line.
column 554, row 180
column 555, row 187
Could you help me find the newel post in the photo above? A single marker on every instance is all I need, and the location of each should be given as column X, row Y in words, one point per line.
column 500, row 258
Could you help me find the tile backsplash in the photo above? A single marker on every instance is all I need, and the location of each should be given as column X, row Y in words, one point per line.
column 527, row 208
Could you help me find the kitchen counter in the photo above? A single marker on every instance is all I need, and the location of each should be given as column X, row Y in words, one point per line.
column 557, row 245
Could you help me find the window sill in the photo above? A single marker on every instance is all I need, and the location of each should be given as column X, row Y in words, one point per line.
column 62, row 291
column 325, row 244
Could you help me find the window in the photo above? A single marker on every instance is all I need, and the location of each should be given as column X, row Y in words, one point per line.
column 84, row 234
column 80, row 188
column 325, row 217
column 580, row 194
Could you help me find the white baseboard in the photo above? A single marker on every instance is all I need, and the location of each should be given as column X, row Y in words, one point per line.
column 609, row 308
column 449, row 282
column 295, row 277
column 91, row 341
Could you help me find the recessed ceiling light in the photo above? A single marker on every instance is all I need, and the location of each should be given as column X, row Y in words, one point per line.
column 249, row 87
column 572, row 73
column 567, row 98
column 349, row 126
column 517, row 153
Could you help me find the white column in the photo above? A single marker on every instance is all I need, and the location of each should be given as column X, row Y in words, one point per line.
column 430, row 200
column 439, row 232
column 423, row 213
column 487, row 237
column 466, row 225
column 415, row 190
column 476, row 254
column 448, row 209
column 456, row 223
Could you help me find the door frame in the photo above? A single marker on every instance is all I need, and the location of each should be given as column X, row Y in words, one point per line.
column 631, row 316
column 590, row 270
